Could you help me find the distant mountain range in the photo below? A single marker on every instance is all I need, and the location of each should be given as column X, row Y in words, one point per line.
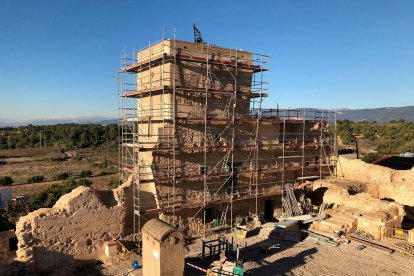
column 383, row 114
column 80, row 120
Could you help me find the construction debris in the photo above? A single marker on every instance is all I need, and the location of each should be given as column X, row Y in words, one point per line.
column 321, row 239
column 284, row 235
column 359, row 234
column 405, row 248
column 291, row 225
column 360, row 247
column 375, row 246
column 319, row 218
column 299, row 218
column 266, row 247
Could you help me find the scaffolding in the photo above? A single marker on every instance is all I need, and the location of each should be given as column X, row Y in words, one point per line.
column 194, row 134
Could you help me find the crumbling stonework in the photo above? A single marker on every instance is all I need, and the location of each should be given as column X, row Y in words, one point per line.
column 360, row 211
column 76, row 225
column 382, row 182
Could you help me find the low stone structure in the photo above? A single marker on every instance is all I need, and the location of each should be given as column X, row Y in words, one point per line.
column 162, row 249
column 7, row 246
column 381, row 182
column 359, row 211
column 75, row 227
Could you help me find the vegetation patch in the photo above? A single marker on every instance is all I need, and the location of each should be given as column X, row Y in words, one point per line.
column 6, row 181
column 394, row 137
column 67, row 136
column 12, row 211
column 48, row 197
column 85, row 173
column 370, row 157
column 61, row 176
column 36, row 179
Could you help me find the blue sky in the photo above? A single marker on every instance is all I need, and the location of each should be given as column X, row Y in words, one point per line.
column 58, row 58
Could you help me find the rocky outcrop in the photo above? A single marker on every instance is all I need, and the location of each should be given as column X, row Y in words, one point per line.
column 76, row 225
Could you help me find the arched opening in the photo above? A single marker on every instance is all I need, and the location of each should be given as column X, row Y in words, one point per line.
column 317, row 195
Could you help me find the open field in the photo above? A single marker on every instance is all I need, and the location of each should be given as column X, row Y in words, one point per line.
column 22, row 164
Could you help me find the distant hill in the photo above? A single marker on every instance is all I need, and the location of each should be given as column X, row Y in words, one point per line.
column 383, row 114
column 42, row 122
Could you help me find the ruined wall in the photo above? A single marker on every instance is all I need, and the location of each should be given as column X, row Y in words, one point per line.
column 382, row 182
column 5, row 253
column 241, row 209
column 360, row 211
column 76, row 225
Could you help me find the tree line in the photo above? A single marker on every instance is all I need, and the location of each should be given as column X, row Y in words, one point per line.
column 67, row 136
column 393, row 137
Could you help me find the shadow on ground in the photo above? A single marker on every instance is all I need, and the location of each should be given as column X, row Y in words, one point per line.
column 254, row 254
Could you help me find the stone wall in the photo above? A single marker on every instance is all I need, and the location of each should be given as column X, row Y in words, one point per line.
column 75, row 226
column 359, row 211
column 5, row 253
column 382, row 182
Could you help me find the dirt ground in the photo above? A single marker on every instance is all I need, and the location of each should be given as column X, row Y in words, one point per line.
column 20, row 164
column 306, row 258
column 310, row 259
column 301, row 258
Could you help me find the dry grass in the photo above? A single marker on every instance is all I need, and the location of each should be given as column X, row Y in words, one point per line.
column 21, row 164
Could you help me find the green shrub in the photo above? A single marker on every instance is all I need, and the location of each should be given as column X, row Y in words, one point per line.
column 6, row 181
column 370, row 157
column 48, row 197
column 58, row 159
column 10, row 214
column 85, row 173
column 35, row 179
column 61, row 176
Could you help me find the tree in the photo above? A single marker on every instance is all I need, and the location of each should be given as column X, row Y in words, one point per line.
column 10, row 214
column 370, row 157
column 61, row 176
column 69, row 136
column 85, row 173
column 36, row 179
column 48, row 197
column 6, row 181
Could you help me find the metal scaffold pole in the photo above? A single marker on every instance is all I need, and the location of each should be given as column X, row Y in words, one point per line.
column 174, row 100
column 321, row 145
column 195, row 116
column 259, row 115
column 303, row 144
column 233, row 136
column 205, row 142
column 283, row 157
